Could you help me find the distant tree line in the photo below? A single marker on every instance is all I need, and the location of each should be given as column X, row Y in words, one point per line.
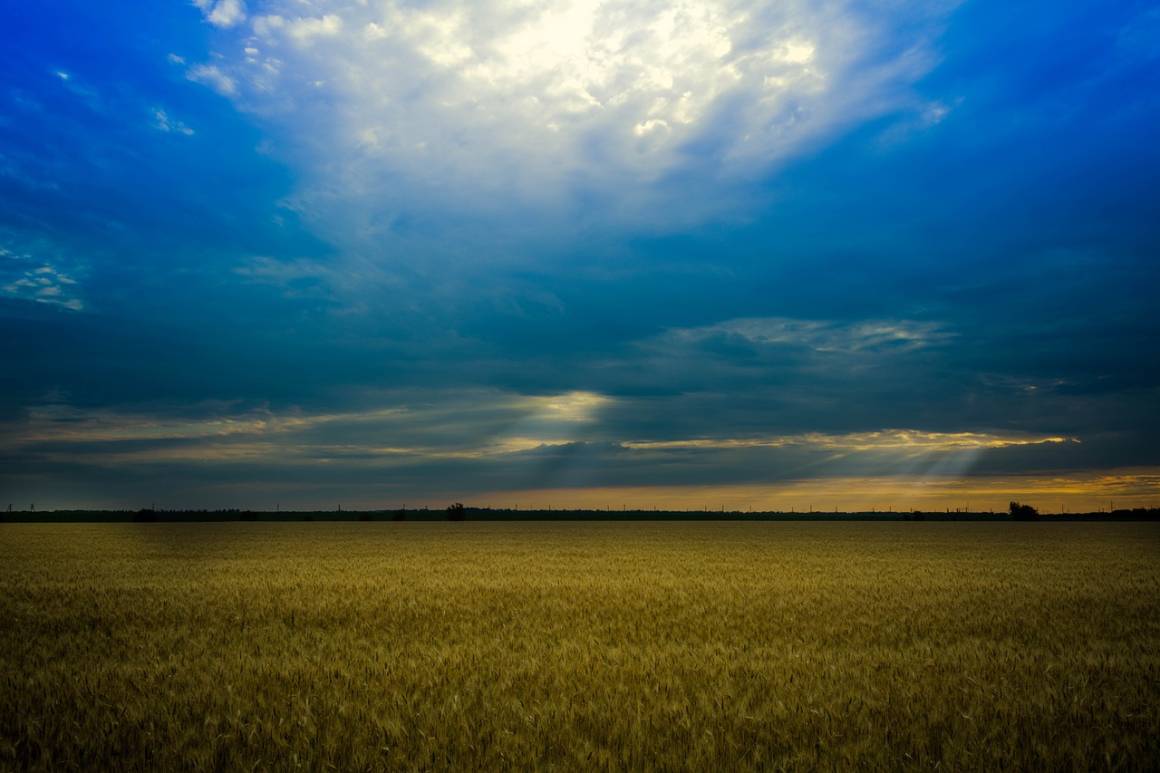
column 1022, row 512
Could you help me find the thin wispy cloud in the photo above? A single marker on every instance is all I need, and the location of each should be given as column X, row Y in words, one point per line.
column 25, row 277
column 213, row 76
column 166, row 123
column 825, row 335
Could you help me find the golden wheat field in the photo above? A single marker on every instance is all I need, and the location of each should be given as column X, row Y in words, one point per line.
column 709, row 646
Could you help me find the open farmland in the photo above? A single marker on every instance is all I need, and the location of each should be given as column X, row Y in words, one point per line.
column 580, row 645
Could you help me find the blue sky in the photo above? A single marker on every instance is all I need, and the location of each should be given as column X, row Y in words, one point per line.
column 838, row 254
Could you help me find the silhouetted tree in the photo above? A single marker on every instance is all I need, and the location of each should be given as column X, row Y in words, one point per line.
column 1023, row 512
column 455, row 512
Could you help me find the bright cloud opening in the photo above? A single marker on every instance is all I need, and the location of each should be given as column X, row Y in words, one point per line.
column 482, row 106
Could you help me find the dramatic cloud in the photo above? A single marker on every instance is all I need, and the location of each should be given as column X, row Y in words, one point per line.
column 394, row 109
column 491, row 444
column 386, row 251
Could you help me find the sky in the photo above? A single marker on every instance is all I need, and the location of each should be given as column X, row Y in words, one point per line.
column 692, row 254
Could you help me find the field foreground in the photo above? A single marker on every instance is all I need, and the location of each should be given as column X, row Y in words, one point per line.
column 580, row 645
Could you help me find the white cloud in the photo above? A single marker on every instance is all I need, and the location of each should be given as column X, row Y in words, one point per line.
column 213, row 76
column 306, row 29
column 44, row 284
column 163, row 122
column 222, row 13
column 490, row 107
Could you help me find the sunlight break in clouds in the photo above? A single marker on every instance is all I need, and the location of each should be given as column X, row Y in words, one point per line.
column 481, row 425
column 1077, row 492
column 502, row 423
column 477, row 107
column 904, row 440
